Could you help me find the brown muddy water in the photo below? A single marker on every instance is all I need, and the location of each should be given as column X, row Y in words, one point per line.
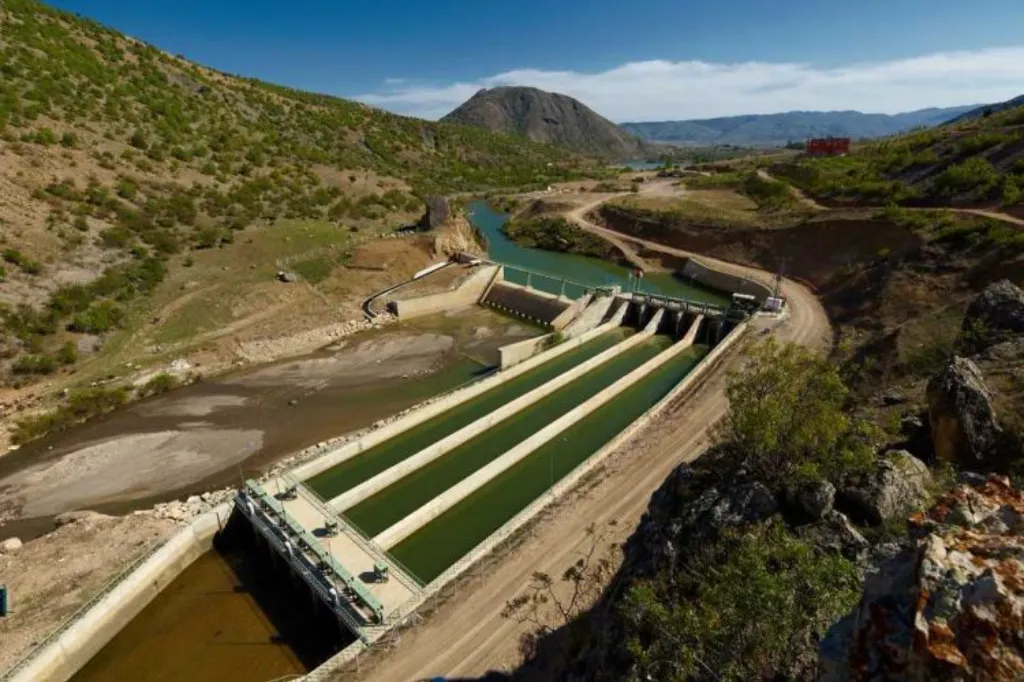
column 215, row 432
column 234, row 614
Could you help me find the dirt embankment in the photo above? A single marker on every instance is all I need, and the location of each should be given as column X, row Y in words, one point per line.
column 51, row 577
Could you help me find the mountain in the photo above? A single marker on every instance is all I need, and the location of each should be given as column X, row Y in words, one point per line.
column 119, row 161
column 778, row 129
column 989, row 109
column 549, row 118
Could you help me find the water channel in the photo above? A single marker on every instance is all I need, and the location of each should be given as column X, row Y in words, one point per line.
column 222, row 618
column 588, row 271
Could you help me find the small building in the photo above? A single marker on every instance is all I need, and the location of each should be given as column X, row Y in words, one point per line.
column 828, row 146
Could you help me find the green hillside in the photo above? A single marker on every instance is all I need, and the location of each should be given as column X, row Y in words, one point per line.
column 977, row 162
column 118, row 159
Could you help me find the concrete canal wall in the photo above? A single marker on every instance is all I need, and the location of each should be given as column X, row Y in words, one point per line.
column 466, row 294
column 460, row 491
column 705, row 275
column 70, row 650
column 431, row 410
column 367, row 489
column 530, row 304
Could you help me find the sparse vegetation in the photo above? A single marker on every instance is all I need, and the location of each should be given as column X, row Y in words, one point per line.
column 254, row 153
column 555, row 233
column 81, row 405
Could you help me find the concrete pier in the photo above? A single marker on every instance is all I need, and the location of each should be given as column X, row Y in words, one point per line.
column 382, row 480
column 442, row 503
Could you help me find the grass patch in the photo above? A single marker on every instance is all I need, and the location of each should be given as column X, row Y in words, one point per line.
column 83, row 404
column 317, row 269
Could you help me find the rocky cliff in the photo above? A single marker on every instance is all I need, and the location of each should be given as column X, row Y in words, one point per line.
column 549, row 118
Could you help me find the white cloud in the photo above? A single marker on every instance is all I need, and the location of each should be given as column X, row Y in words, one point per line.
column 663, row 90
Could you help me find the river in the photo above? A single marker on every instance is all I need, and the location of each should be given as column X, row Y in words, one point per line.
column 588, row 271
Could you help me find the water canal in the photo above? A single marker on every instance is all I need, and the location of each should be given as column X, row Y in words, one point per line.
column 220, row 620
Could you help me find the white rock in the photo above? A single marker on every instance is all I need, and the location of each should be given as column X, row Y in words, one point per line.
column 10, row 546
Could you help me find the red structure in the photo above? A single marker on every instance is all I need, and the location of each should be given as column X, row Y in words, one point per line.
column 828, row 146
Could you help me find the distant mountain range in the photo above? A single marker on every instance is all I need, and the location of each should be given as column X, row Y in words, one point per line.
column 778, row 129
column 550, row 118
column 988, row 109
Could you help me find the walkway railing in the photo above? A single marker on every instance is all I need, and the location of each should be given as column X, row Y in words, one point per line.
column 404, row 575
column 106, row 589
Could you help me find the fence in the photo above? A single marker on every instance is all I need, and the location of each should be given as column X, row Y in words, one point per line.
column 106, row 589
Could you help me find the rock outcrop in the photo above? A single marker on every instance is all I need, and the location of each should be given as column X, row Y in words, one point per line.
column 898, row 487
column 436, row 213
column 961, row 416
column 994, row 316
column 951, row 607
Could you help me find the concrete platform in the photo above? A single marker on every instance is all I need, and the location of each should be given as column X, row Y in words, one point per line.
column 339, row 564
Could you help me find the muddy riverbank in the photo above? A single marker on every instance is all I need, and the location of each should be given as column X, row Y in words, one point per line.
column 214, row 432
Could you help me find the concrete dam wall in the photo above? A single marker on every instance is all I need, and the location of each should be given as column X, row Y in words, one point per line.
column 530, row 304
column 704, row 275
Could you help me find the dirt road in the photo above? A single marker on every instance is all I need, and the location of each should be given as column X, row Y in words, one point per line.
column 468, row 636
column 811, row 203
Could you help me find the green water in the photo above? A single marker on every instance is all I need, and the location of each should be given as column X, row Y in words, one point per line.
column 446, row 539
column 397, row 501
column 589, row 271
column 365, row 466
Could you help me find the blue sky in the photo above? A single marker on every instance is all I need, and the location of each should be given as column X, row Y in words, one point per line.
column 644, row 60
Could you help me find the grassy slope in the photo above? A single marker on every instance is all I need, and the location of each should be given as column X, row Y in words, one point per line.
column 118, row 158
column 972, row 163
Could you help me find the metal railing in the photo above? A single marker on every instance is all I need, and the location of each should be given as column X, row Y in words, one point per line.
column 106, row 589
column 404, row 575
column 268, row 529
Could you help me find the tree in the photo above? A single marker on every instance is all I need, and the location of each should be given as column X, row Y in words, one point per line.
column 547, row 607
column 786, row 420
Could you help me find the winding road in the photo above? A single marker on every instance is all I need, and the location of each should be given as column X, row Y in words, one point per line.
column 807, row 201
column 467, row 636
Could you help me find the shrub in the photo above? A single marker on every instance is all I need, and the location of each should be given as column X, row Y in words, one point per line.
column 161, row 383
column 974, row 176
column 34, row 364
column 99, row 318
column 787, row 422
column 750, row 606
column 82, row 404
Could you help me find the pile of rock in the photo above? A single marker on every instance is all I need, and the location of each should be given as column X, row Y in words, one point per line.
column 186, row 510
column 266, row 350
column 951, row 607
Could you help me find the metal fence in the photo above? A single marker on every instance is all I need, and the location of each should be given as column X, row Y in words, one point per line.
column 106, row 589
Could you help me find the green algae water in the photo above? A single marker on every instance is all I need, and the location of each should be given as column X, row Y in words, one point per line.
column 589, row 271
column 411, row 492
column 365, row 466
column 446, row 539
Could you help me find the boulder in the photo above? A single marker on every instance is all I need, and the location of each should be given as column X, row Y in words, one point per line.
column 84, row 516
column 949, row 607
column 436, row 214
column 961, row 417
column 996, row 314
column 834, row 532
column 287, row 277
column 11, row 546
column 898, row 486
column 815, row 499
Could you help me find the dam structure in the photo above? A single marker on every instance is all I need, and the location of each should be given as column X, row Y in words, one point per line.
column 378, row 525
column 372, row 527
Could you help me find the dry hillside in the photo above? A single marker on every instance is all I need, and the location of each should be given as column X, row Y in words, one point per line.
column 146, row 202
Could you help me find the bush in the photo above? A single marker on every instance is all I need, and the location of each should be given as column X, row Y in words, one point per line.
column 99, row 318
column 82, row 404
column 975, row 176
column 35, row 364
column 161, row 383
column 786, row 419
column 751, row 607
